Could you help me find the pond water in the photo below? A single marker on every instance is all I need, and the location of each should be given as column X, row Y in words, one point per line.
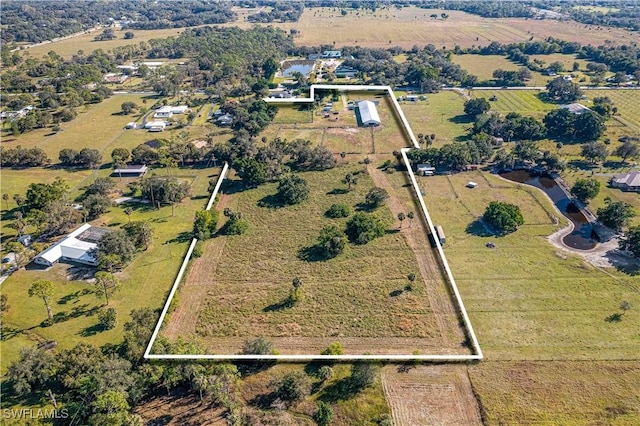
column 303, row 67
column 581, row 237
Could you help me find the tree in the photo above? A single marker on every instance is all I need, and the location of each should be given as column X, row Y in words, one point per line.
column 128, row 107
column 293, row 190
column 589, row 126
column 364, row 227
column 292, row 387
column 120, row 155
column 363, row 375
column 474, row 107
column 631, row 240
column 31, row 371
column 96, row 204
column 108, row 318
column 585, row 189
column 5, row 197
column 205, row 223
column 376, row 197
column 128, row 211
column 140, row 233
column 106, row 283
column 401, row 218
column 39, row 194
column 323, row 415
column 334, row 348
column 118, row 244
column 110, row 408
column 615, row 214
column 101, row 186
column 350, row 179
column 325, row 373
column 628, row 149
column 20, row 200
column 338, row 210
column 594, row 152
column 331, row 241
column 411, row 278
column 562, row 90
column 89, row 157
column 68, row 157
column 505, row 217
column 410, row 215
column 128, row 35
column 44, row 289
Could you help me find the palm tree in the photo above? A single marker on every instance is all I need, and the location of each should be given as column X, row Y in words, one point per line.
column 19, row 199
column 5, row 197
column 105, row 281
column 411, row 277
column 44, row 289
column 128, row 212
column 410, row 216
column 401, row 218
column 348, row 179
column 297, row 282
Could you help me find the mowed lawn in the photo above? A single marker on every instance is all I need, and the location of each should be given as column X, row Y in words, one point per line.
column 144, row 283
column 441, row 114
column 524, row 102
column 348, row 296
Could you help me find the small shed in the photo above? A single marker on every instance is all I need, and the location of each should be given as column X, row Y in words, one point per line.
column 134, row 170
column 440, row 234
column 426, row 170
column 412, row 98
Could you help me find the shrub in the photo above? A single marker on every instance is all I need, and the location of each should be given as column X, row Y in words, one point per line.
column 376, row 197
column 236, row 227
column 291, row 387
column 198, row 250
column 364, row 227
column 339, row 210
column 325, row 373
column 331, row 241
column 334, row 348
column 293, row 190
column 504, row 217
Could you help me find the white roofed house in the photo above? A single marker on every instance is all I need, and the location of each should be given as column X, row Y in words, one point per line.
column 627, row 181
column 77, row 247
column 163, row 112
column 368, row 113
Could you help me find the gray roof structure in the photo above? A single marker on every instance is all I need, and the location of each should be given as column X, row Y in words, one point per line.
column 368, row 113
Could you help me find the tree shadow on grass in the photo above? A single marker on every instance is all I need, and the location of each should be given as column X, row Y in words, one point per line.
column 617, row 317
column 182, row 237
column 461, row 119
column 77, row 311
column 278, row 306
column 479, row 229
column 312, row 254
column 338, row 191
column 339, row 390
column 624, row 262
column 73, row 297
column 92, row 330
column 581, row 164
column 396, row 293
column 271, row 202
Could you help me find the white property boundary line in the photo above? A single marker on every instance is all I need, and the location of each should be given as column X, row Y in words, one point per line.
column 442, row 358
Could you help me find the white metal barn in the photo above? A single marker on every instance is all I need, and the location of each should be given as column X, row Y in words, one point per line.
column 368, row 113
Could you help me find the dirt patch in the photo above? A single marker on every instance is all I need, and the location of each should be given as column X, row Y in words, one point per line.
column 181, row 409
column 430, row 395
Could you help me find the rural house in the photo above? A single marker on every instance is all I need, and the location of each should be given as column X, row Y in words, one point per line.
column 163, row 112
column 627, row 181
column 78, row 247
column 368, row 113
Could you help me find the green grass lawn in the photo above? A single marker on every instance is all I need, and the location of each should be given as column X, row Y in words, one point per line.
column 442, row 114
column 144, row 283
column 525, row 102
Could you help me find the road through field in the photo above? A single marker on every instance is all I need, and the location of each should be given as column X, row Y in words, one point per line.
column 445, row 313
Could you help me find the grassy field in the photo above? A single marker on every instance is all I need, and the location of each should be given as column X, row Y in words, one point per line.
column 144, row 283
column 442, row 114
column 69, row 47
column 410, row 25
column 247, row 277
column 540, row 313
column 525, row 102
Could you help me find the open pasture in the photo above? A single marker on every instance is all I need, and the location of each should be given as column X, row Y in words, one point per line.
column 441, row 114
column 236, row 289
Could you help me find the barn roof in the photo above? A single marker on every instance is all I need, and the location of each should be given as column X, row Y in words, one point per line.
column 368, row 112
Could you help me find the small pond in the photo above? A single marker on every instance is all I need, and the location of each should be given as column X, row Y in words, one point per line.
column 581, row 237
column 304, row 67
